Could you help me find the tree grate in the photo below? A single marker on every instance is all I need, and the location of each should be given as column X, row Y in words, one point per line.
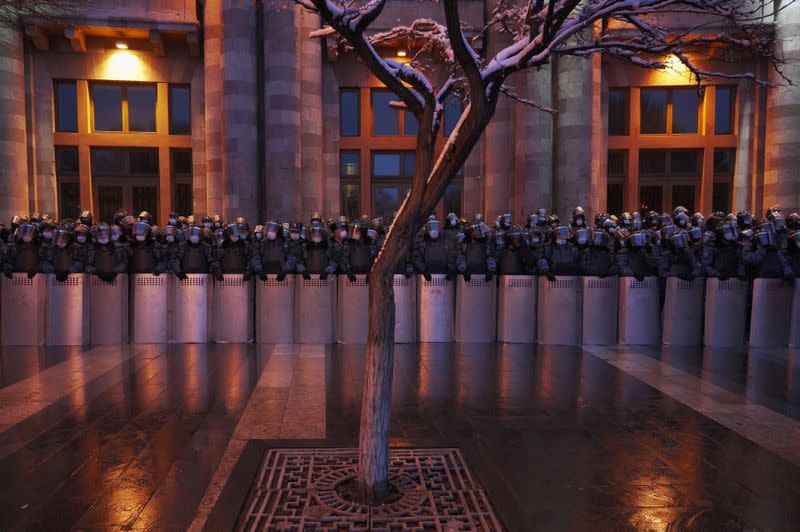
column 296, row 490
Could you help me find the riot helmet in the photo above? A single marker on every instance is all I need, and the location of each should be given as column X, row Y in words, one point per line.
column 695, row 234
column 273, row 230
column 533, row 220
column 744, row 220
column 638, row 239
column 315, row 233
column 82, row 233
column 216, row 221
column 61, row 237
column 451, row 220
column 505, row 220
column 680, row 209
column 698, row 220
column 516, row 237
column 793, row 221
column 432, row 228
column 728, row 232
column 681, row 220
column 102, row 234
column 559, row 234
column 26, row 231
column 170, row 234
column 116, row 233
column 653, row 220
column 195, row 234
column 581, row 237
column 145, row 216
column 233, row 233
column 777, row 218
column 46, row 230
column 627, row 220
column 667, row 231
column 85, row 218
column 118, row 216
column 141, row 230
column 598, row 238
column 219, row 237
column 534, row 236
column 295, row 231
column 206, row 221
column 578, row 217
column 316, row 218
column 766, row 235
column 172, row 219
column 610, row 225
column 600, row 219
column 678, row 240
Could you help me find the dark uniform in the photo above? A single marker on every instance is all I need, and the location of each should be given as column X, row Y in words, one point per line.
column 63, row 255
column 767, row 260
column 233, row 255
column 145, row 251
column 511, row 251
column 561, row 257
column 107, row 257
column 724, row 258
column 316, row 258
column 23, row 252
column 598, row 257
column 477, row 253
column 634, row 257
column 196, row 255
column 433, row 253
column 678, row 259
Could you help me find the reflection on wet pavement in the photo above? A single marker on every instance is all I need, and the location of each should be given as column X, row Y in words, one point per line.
column 561, row 438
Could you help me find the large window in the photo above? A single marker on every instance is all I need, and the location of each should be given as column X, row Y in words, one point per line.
column 126, row 108
column 180, row 110
column 671, row 146
column 65, row 100
column 376, row 161
column 181, row 167
column 68, row 181
column 92, row 119
column 125, row 178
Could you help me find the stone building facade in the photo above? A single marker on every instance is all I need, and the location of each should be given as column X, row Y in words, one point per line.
column 226, row 106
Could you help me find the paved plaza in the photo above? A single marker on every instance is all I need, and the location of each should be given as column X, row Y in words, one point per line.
column 172, row 437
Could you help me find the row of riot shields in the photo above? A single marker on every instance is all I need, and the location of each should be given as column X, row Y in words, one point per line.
column 144, row 308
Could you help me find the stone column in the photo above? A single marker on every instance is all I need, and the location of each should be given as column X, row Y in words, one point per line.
column 743, row 173
column 498, row 149
column 282, row 189
column 330, row 126
column 13, row 153
column 781, row 178
column 311, row 123
column 239, row 119
column 212, row 64
column 533, row 144
column 573, row 174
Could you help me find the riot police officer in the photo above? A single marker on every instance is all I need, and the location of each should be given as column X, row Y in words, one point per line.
column 677, row 258
column 477, row 253
column 510, row 251
column 560, row 255
column 634, row 255
column 597, row 253
column 339, row 251
column 316, row 258
column 233, row 254
column 270, row 251
column 767, row 260
column 196, row 254
column 723, row 258
column 62, row 255
column 171, row 251
column 432, row 254
column 145, row 251
column 107, row 256
column 359, row 248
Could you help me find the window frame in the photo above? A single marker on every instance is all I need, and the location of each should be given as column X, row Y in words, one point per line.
column 124, row 86
column 171, row 86
column 57, row 105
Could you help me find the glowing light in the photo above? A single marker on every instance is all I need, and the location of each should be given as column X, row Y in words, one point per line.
column 123, row 65
column 121, row 45
column 401, row 53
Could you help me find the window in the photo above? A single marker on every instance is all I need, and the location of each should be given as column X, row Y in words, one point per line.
column 125, row 178
column 124, row 108
column 67, row 177
column 721, row 200
column 618, row 111
column 410, row 124
column 65, row 100
column 683, row 195
column 724, row 161
column 181, row 165
column 350, row 184
column 180, row 110
column 678, row 108
column 107, row 104
column 349, row 113
column 650, row 199
column 453, row 107
column 723, row 110
column 391, row 180
column 666, row 163
column 724, row 168
column 617, row 166
column 385, row 119
column 124, row 162
column 142, row 108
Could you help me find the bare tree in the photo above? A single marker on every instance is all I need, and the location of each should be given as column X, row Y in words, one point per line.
column 13, row 12
column 636, row 31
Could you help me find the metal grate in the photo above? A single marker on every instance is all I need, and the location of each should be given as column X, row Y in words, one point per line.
column 562, row 283
column 775, row 285
column 194, row 281
column 516, row 282
column 400, row 281
column 151, row 281
column 315, row 282
column 69, row 281
column 360, row 281
column 730, row 285
column 96, row 281
column 231, row 281
column 633, row 283
column 436, row 281
column 478, row 281
column 21, row 280
column 685, row 285
column 272, row 281
column 296, row 490
column 601, row 284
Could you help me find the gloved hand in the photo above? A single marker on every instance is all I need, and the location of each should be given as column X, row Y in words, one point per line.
column 247, row 276
column 156, row 272
column 366, row 278
column 351, row 277
column 280, row 277
column 182, row 276
column 684, row 277
column 428, row 277
column 306, row 275
column 639, row 277
column 467, row 276
column 408, row 273
column 31, row 275
column 262, row 275
column 449, row 276
column 106, row 277
column 219, row 276
column 489, row 276
column 323, row 276
column 723, row 278
column 550, row 277
column 10, row 275
column 61, row 276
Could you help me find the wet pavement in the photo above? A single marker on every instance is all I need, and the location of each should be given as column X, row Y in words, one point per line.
column 162, row 437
